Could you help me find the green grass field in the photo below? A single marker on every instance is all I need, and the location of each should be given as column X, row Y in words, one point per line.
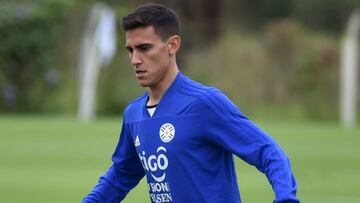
column 49, row 159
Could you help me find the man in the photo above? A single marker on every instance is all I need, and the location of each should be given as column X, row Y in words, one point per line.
column 181, row 134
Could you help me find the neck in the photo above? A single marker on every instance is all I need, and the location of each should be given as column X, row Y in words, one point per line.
column 156, row 92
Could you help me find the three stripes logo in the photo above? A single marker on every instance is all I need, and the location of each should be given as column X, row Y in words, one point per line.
column 137, row 141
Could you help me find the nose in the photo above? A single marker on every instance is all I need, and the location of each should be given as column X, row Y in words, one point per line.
column 135, row 58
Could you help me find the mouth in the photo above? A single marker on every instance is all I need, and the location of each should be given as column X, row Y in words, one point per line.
column 140, row 73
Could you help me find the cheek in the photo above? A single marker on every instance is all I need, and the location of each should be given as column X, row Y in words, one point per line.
column 159, row 60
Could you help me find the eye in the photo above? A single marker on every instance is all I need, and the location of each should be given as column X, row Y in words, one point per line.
column 130, row 50
column 144, row 48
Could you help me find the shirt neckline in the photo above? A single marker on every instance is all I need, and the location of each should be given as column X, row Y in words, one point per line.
column 167, row 93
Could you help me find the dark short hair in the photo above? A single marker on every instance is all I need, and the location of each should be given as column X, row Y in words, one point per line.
column 163, row 19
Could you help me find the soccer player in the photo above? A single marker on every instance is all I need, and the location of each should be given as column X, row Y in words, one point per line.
column 181, row 134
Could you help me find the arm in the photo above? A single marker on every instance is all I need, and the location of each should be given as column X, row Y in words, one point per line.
column 122, row 176
column 230, row 129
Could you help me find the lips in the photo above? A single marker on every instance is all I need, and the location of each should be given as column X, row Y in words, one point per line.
column 140, row 73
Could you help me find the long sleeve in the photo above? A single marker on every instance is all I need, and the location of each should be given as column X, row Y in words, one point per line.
column 229, row 128
column 122, row 176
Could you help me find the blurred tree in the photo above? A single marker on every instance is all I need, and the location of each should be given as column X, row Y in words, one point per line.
column 252, row 15
column 328, row 15
column 281, row 39
column 29, row 34
column 38, row 53
column 40, row 44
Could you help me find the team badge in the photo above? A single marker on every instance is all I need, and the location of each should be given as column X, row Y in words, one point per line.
column 167, row 132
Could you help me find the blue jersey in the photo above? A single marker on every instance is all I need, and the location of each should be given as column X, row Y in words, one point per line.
column 186, row 149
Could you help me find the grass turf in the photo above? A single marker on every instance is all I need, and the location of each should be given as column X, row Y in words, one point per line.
column 49, row 159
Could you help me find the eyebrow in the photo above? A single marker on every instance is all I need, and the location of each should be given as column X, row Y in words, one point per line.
column 140, row 46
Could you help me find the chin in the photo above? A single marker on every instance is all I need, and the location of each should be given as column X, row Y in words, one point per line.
column 144, row 84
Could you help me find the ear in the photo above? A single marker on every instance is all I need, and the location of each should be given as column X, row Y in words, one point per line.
column 173, row 44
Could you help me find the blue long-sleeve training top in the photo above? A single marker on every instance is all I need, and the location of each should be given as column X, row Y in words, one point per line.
column 186, row 149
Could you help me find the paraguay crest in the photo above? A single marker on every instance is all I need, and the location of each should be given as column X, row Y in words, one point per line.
column 167, row 132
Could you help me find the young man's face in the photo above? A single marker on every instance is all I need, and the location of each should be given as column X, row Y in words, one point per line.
column 149, row 55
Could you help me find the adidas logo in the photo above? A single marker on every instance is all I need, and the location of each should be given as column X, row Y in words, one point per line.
column 137, row 141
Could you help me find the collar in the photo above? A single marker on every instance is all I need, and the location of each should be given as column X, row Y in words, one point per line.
column 165, row 100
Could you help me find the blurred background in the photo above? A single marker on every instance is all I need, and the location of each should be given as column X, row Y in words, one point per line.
column 278, row 60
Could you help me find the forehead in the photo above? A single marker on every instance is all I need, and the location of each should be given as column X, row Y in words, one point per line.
column 141, row 35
